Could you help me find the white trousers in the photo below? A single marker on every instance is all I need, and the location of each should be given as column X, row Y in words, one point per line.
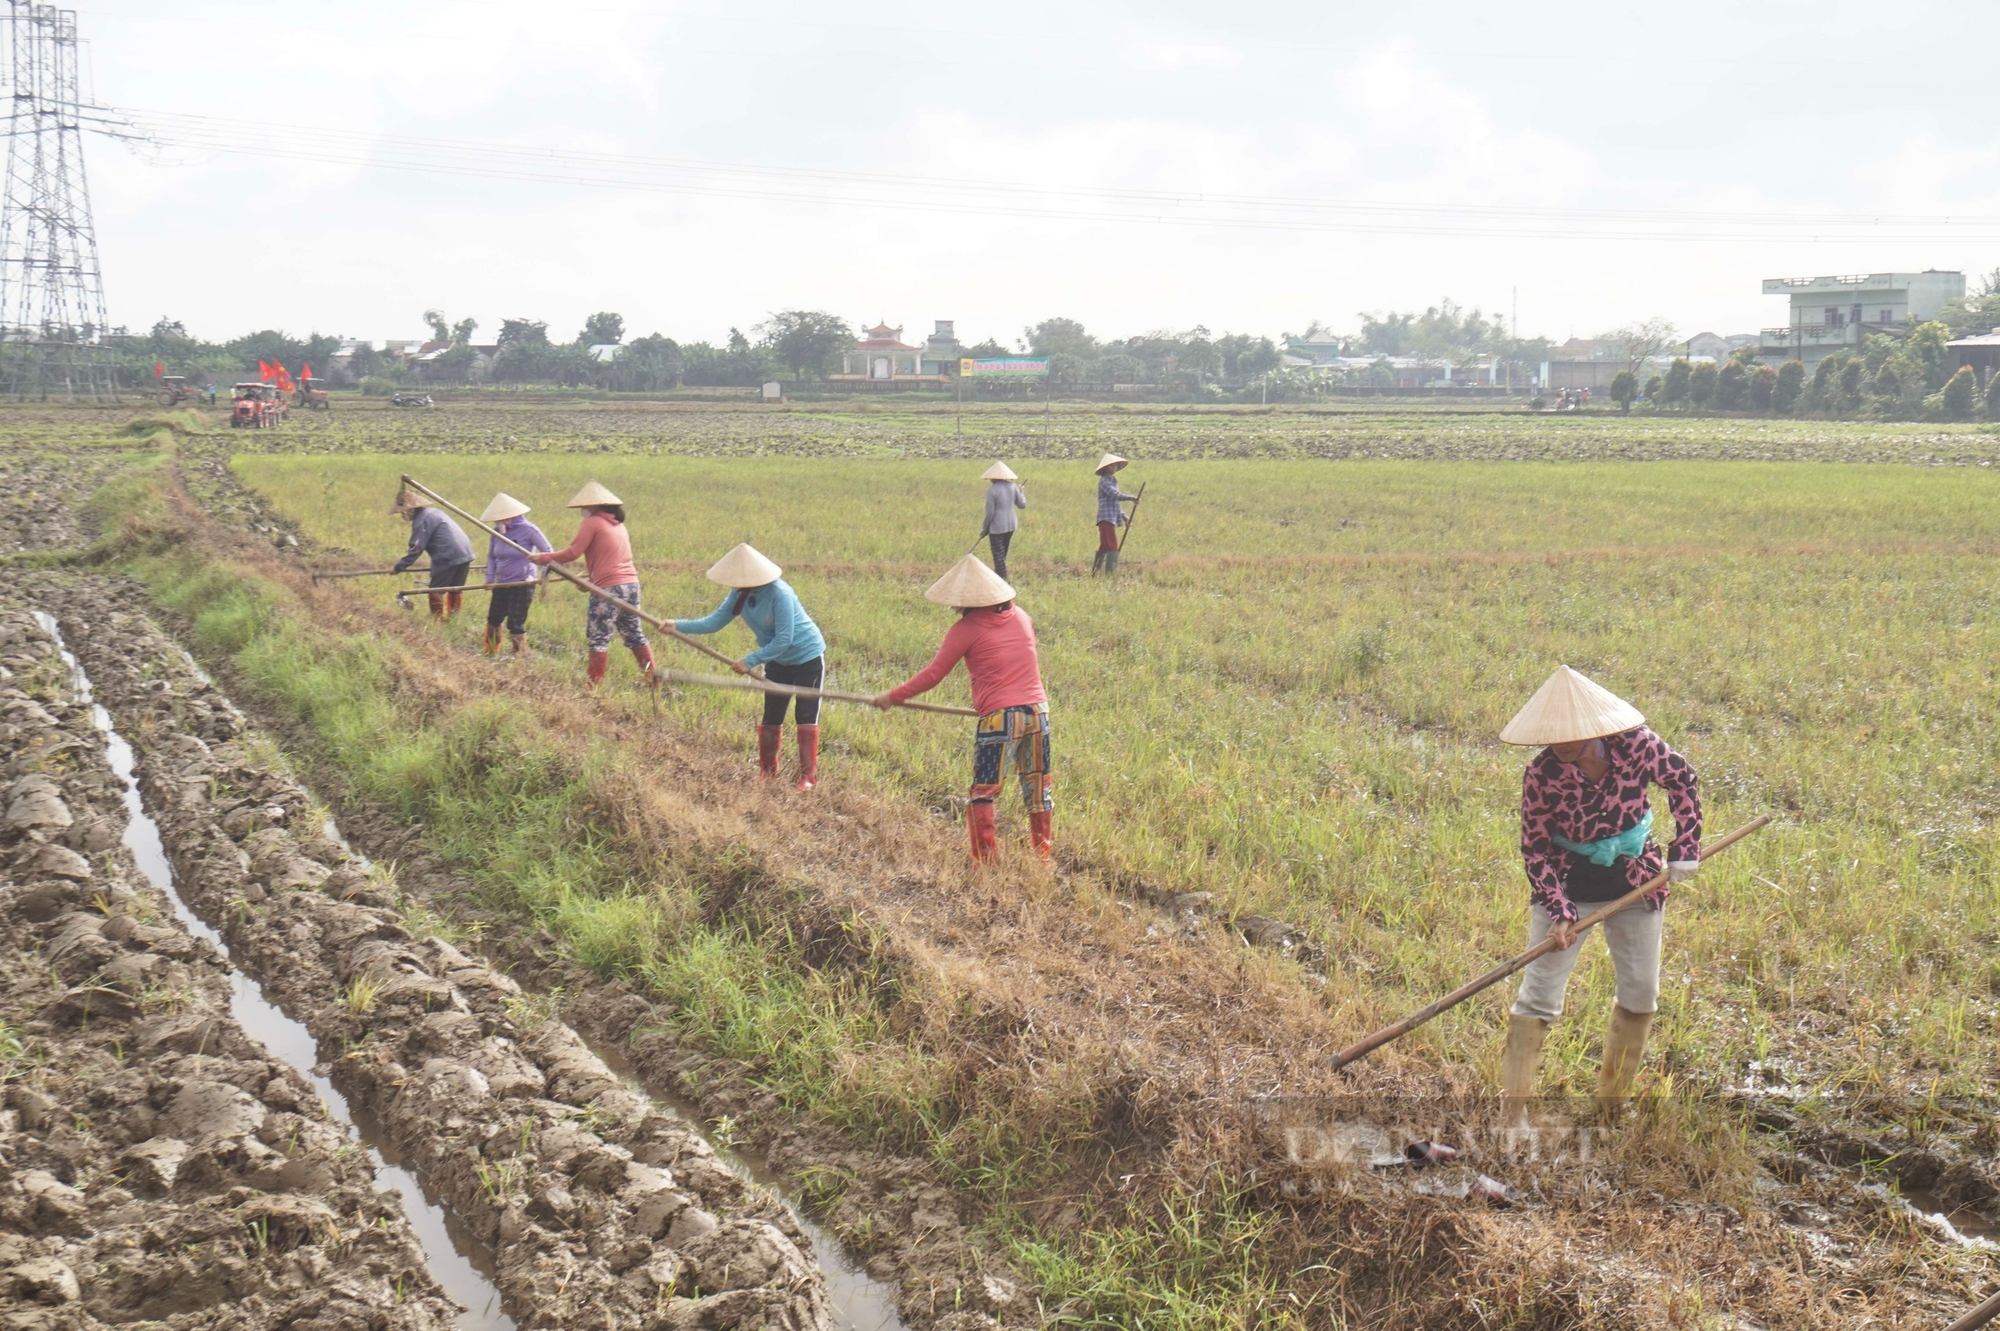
column 1633, row 936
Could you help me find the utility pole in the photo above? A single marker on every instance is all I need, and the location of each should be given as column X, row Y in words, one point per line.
column 52, row 323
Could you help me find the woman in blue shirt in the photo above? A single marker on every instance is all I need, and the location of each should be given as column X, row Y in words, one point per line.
column 789, row 647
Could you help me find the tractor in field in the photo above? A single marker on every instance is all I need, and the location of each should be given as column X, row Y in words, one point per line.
column 258, row 407
column 174, row 389
column 311, row 396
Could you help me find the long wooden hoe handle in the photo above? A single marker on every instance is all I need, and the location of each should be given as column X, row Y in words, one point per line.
column 796, row 691
column 407, row 592
column 662, row 625
column 1356, row 1052
column 1131, row 517
column 375, row 572
column 1979, row 1316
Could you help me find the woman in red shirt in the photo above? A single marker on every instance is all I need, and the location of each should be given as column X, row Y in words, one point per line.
column 997, row 641
column 606, row 550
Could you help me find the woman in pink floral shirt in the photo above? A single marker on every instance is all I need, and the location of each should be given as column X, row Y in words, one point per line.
column 1585, row 816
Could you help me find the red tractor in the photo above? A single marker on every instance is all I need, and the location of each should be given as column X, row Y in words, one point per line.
column 258, row 407
column 311, row 396
column 174, row 390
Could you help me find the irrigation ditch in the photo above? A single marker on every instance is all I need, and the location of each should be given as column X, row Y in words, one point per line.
column 546, row 1191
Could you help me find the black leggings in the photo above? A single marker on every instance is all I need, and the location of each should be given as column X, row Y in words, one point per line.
column 510, row 606
column 1000, row 540
column 807, row 676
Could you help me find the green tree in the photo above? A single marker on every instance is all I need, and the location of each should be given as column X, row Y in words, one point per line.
column 1851, row 372
column 1654, row 387
column 1624, row 388
column 1976, row 312
column 1993, row 396
column 1961, row 392
column 805, row 340
column 1701, row 384
column 1244, row 357
column 461, row 332
column 1732, row 386
column 1926, row 347
column 1886, row 383
column 601, row 328
column 1073, row 353
column 1674, row 391
column 1791, row 384
column 1763, row 388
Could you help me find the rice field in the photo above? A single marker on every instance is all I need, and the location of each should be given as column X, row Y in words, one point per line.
column 1289, row 696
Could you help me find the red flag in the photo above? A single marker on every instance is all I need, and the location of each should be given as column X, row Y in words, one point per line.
column 158, row 369
column 305, row 371
column 285, row 380
column 264, row 370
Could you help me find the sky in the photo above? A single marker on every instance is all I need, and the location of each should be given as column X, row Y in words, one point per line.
column 1146, row 166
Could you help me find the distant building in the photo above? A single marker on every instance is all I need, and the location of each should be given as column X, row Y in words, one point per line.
column 1981, row 351
column 941, row 350
column 1717, row 347
column 1832, row 313
column 882, row 357
column 1304, row 351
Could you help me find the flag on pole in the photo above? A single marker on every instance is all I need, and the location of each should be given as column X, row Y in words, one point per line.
column 158, row 369
column 264, row 370
column 305, row 371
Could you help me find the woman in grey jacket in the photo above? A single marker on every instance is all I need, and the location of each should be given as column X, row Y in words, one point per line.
column 1004, row 494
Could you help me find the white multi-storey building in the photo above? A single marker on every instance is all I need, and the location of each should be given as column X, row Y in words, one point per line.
column 1831, row 313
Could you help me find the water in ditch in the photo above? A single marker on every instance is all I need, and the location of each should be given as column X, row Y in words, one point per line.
column 457, row 1261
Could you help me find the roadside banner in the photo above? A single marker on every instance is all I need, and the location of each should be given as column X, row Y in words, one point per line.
column 1009, row 367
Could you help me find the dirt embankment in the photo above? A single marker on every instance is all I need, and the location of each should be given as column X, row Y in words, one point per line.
column 157, row 1162
column 599, row 1209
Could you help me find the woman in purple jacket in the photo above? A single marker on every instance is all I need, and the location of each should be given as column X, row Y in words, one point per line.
column 504, row 563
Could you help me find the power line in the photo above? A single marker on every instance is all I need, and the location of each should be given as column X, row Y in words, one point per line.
column 967, row 196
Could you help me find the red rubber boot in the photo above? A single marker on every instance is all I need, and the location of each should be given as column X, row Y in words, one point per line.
column 599, row 663
column 1040, row 834
column 452, row 602
column 767, row 751
column 519, row 642
column 492, row 640
column 643, row 654
column 985, row 837
column 808, row 757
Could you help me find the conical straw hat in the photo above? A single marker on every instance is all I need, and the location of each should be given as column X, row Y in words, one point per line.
column 504, row 506
column 1111, row 461
column 999, row 471
column 969, row 583
column 744, row 567
column 1568, row 708
column 408, row 501
column 592, row 495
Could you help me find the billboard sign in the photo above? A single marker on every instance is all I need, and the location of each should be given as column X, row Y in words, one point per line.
column 1008, row 367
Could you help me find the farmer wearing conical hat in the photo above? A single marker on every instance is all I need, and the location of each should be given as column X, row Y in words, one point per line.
column 1110, row 514
column 997, row 641
column 433, row 533
column 789, row 647
column 509, row 606
column 606, row 550
column 1004, row 494
column 1584, row 822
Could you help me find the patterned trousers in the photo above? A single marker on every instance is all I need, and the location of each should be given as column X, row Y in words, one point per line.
column 1014, row 739
column 604, row 616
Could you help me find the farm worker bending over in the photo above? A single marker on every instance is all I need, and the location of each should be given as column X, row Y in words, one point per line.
column 1584, row 820
column 997, row 640
column 436, row 535
column 606, row 550
column 789, row 647
column 1110, row 516
column 506, row 564
column 1004, row 494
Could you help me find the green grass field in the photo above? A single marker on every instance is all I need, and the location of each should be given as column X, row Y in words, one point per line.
column 1290, row 696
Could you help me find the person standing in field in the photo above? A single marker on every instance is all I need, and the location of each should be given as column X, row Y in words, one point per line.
column 606, row 550
column 1585, row 816
column 435, row 534
column 996, row 639
column 1110, row 513
column 509, row 606
column 1004, row 495
column 789, row 647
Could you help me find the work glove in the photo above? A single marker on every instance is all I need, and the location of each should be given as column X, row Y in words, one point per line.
column 1680, row 871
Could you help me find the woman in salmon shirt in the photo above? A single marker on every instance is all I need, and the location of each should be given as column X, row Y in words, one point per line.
column 606, row 550
column 997, row 641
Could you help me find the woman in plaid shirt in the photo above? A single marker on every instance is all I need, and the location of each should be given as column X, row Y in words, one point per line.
column 1110, row 514
column 1585, row 816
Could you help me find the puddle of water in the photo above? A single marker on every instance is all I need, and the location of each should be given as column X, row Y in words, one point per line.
column 1961, row 1224
column 860, row 1301
column 453, row 1256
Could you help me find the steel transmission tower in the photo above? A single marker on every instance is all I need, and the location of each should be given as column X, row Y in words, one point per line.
column 51, row 291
